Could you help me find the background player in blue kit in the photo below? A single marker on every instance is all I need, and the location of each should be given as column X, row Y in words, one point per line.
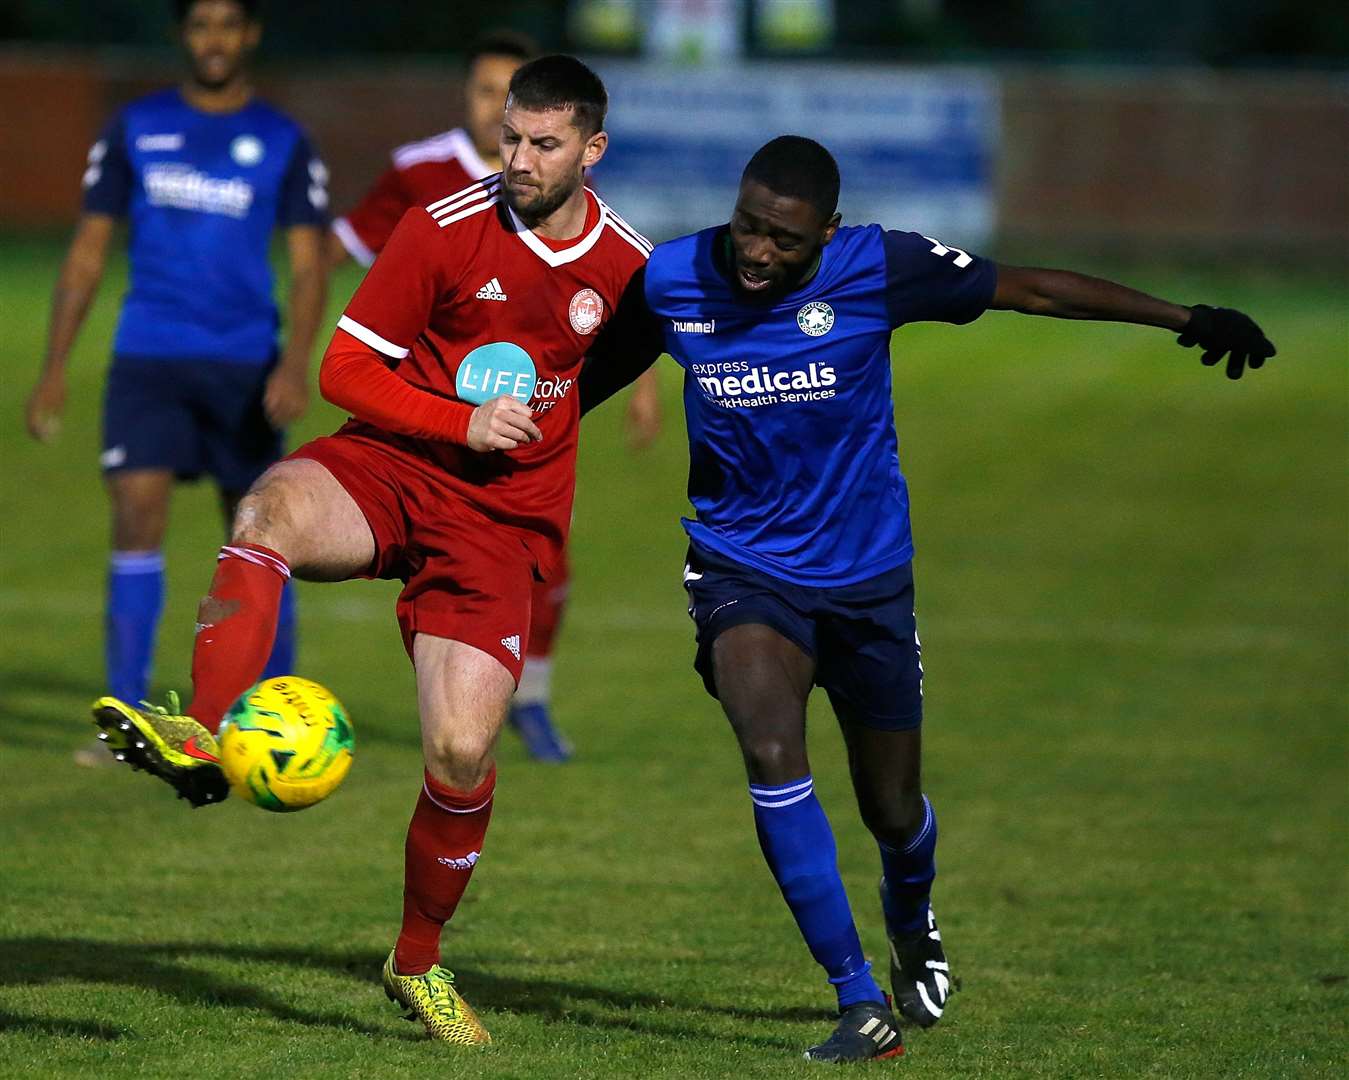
column 204, row 173
column 799, row 564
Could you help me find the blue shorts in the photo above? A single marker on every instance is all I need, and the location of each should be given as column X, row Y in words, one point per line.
column 863, row 637
column 191, row 417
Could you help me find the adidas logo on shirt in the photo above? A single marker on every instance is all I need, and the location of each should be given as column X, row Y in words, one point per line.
column 513, row 644
column 491, row 291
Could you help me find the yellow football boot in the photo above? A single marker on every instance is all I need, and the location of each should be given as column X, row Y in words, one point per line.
column 432, row 999
column 165, row 744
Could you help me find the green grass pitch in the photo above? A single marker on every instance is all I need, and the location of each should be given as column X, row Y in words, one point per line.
column 1132, row 593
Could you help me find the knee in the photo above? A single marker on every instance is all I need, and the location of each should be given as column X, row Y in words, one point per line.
column 895, row 816
column 263, row 517
column 773, row 759
column 459, row 759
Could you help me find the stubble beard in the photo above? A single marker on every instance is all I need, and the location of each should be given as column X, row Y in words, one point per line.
column 543, row 206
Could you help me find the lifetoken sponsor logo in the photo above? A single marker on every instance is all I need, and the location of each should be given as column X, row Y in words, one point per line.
column 490, row 371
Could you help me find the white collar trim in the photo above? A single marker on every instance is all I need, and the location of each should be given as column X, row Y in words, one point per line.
column 566, row 255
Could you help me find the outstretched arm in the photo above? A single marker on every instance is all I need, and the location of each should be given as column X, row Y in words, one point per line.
column 74, row 292
column 1063, row 294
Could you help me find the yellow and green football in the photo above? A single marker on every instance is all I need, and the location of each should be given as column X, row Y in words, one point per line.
column 286, row 744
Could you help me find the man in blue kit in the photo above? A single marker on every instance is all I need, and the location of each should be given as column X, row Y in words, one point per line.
column 204, row 173
column 799, row 565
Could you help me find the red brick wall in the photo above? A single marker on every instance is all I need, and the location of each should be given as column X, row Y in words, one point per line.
column 1126, row 162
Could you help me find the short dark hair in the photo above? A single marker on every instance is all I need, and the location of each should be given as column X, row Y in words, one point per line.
column 501, row 43
column 561, row 82
column 798, row 167
column 252, row 8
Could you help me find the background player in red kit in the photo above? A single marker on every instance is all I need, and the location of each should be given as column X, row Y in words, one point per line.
column 421, row 173
column 458, row 358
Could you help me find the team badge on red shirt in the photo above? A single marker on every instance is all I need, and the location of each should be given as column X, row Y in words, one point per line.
column 586, row 310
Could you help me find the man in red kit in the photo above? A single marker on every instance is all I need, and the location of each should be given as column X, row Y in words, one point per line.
column 458, row 358
column 421, row 173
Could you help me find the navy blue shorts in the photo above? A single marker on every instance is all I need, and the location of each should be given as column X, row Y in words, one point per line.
column 192, row 417
column 863, row 637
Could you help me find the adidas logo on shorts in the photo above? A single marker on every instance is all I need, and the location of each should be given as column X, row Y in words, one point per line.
column 513, row 644
column 491, row 291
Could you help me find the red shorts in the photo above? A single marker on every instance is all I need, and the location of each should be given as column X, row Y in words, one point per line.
column 465, row 576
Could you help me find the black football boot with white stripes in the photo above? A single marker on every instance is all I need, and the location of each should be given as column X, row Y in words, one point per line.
column 867, row 1031
column 919, row 974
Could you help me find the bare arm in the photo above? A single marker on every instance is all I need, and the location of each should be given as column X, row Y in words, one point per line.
column 75, row 290
column 287, row 393
column 335, row 252
column 644, row 413
column 1063, row 294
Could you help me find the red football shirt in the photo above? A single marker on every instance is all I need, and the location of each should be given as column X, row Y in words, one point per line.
column 419, row 173
column 471, row 305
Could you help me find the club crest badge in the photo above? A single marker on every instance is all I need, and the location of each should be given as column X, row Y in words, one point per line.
column 815, row 318
column 246, row 150
column 586, row 311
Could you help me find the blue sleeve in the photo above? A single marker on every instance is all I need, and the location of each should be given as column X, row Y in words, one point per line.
column 926, row 281
column 304, row 190
column 108, row 178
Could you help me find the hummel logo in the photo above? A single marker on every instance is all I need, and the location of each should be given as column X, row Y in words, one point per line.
column 513, row 644
column 466, row 863
column 491, row 291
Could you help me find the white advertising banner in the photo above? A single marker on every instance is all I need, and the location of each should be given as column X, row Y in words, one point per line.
column 916, row 147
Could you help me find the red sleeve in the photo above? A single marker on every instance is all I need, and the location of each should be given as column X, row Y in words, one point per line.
column 389, row 311
column 393, row 304
column 353, row 377
column 366, row 228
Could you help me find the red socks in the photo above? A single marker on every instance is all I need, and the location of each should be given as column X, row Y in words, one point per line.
column 444, row 842
column 236, row 625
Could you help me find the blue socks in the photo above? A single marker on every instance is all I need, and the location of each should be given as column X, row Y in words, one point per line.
column 909, row 872
column 282, row 659
column 134, row 602
column 796, row 840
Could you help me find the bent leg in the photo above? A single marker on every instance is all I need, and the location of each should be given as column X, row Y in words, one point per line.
column 296, row 519
column 887, row 778
column 763, row 680
column 463, row 694
column 135, row 598
column 281, row 661
column 886, row 771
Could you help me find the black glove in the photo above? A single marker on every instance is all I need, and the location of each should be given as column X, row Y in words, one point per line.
column 1221, row 330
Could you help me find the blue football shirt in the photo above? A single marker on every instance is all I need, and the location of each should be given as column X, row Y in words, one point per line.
column 793, row 458
column 203, row 193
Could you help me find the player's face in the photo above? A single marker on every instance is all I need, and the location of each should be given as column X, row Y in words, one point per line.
column 489, row 80
column 544, row 156
column 775, row 239
column 218, row 36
